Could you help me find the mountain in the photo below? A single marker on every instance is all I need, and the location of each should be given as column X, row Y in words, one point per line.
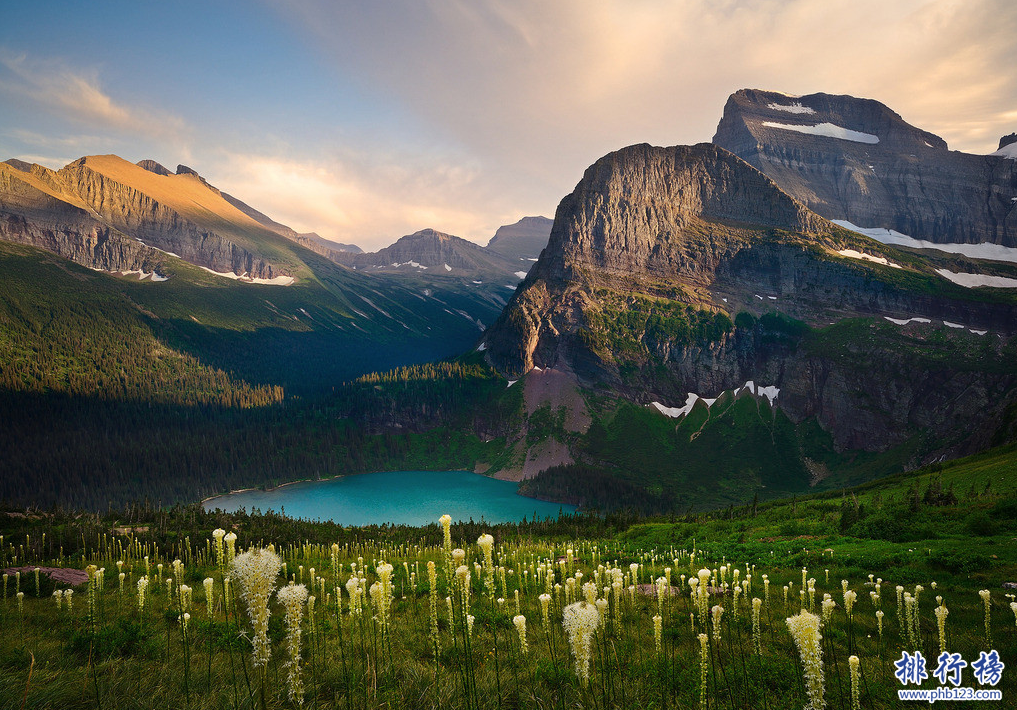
column 438, row 263
column 207, row 276
column 523, row 240
column 857, row 160
column 686, row 282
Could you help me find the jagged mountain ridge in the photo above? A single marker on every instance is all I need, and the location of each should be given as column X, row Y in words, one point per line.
column 658, row 251
column 857, row 160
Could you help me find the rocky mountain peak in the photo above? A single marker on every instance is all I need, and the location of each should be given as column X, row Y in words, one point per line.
column 153, row 167
column 523, row 240
column 640, row 210
column 857, row 160
column 1007, row 140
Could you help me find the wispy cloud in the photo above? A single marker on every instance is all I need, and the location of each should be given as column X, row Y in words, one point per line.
column 76, row 94
column 367, row 198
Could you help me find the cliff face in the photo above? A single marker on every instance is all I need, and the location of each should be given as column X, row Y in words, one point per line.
column 855, row 159
column 106, row 213
column 660, row 252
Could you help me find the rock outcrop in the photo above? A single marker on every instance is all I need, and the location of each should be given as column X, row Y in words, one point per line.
column 857, row 160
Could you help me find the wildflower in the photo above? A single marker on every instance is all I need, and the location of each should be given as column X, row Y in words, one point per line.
column 757, row 603
column 217, row 546
column 69, row 598
column 469, row 624
column 580, row 621
column 879, row 622
column 353, row 588
column 986, row 596
column 1013, row 608
column 446, row 527
column 486, row 544
column 185, row 597
column 292, row 597
column 717, row 612
column 828, row 606
column 854, row 665
column 142, row 588
column 256, row 573
column 602, row 606
column 432, row 579
column 58, row 597
column 21, row 602
column 231, row 550
column 657, row 631
column 209, row 596
column 384, row 571
column 545, row 603
column 520, row 623
column 704, row 660
column 804, row 628
column 185, row 619
column 941, row 614
column 590, row 592
column 849, row 600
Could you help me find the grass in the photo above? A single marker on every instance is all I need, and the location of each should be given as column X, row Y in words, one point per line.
column 136, row 658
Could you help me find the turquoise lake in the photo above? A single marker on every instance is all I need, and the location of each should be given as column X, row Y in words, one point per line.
column 396, row 497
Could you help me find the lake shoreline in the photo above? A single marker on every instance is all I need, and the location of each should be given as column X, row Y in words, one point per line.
column 392, row 497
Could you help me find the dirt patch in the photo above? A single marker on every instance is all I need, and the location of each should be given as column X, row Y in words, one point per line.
column 557, row 388
column 60, row 575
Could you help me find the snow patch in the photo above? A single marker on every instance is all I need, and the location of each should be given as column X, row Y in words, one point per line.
column 978, row 332
column 521, row 274
column 510, row 286
column 827, row 130
column 447, row 267
column 900, row 321
column 482, row 347
column 369, row 302
column 852, row 254
column 1007, row 151
column 984, row 250
column 796, row 107
column 414, row 264
column 948, row 324
column 770, row 393
column 510, row 383
column 976, row 280
column 478, row 282
column 277, row 281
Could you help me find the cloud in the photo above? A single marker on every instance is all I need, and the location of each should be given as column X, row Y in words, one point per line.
column 76, row 94
column 544, row 88
column 366, row 198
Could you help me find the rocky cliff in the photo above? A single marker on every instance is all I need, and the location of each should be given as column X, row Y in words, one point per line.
column 106, row 213
column 857, row 160
column 685, row 270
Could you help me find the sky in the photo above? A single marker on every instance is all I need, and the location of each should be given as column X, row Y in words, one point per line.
column 365, row 121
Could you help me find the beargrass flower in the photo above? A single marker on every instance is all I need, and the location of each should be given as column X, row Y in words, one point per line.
column 757, row 604
column 520, row 623
column 658, row 627
column 545, row 603
column 580, row 621
column 941, row 614
column 293, row 597
column 256, row 572
column 432, row 580
column 717, row 612
column 986, row 596
column 209, row 595
column 854, row 664
column 804, row 628
column 142, row 588
column 58, row 597
column 704, row 662
column 879, row 622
